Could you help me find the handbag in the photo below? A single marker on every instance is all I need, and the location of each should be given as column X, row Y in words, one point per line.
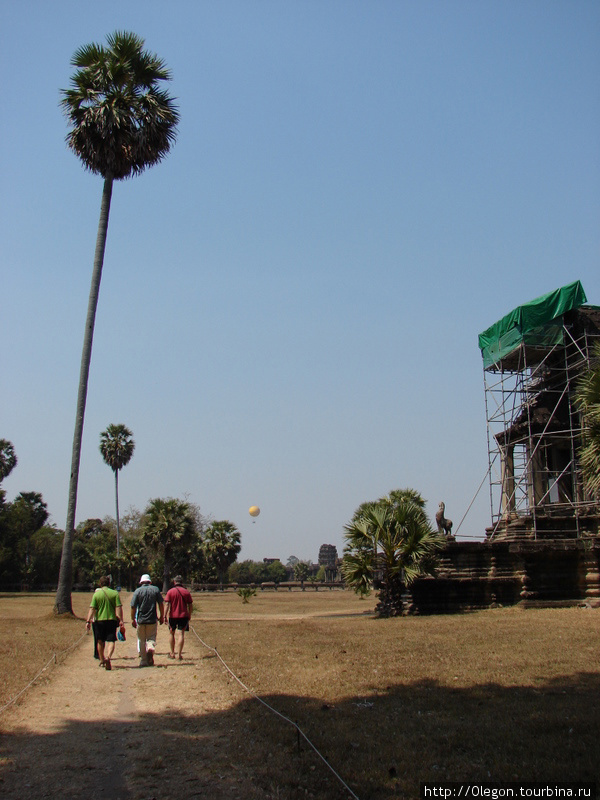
column 121, row 632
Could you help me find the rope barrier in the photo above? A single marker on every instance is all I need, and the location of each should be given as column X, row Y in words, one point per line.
column 43, row 669
column 277, row 713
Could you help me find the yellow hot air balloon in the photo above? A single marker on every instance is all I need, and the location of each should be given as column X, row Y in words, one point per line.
column 254, row 511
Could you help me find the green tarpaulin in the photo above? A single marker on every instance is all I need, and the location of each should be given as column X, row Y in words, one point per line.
column 536, row 324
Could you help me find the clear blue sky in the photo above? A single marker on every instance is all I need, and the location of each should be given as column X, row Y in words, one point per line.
column 291, row 301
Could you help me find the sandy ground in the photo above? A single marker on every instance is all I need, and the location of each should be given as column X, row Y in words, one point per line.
column 178, row 730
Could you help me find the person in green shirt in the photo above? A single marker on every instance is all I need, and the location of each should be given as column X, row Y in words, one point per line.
column 106, row 612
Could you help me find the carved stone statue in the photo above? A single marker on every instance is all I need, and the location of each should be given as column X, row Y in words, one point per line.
column 443, row 525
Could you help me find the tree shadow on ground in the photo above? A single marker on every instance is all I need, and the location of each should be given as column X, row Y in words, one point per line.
column 382, row 745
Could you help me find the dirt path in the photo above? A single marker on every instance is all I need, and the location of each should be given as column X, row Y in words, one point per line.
column 172, row 731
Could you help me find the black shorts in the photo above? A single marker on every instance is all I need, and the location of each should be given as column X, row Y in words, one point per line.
column 179, row 623
column 106, row 630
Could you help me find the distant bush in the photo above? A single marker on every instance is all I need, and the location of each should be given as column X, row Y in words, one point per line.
column 257, row 572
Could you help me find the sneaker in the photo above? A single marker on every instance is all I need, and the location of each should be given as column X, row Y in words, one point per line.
column 150, row 658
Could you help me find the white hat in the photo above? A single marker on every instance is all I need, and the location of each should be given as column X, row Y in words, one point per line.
column 145, row 578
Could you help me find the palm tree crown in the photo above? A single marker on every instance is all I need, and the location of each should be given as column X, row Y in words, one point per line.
column 117, row 446
column 8, row 458
column 122, row 120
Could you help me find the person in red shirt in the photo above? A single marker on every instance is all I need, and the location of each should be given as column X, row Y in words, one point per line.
column 178, row 611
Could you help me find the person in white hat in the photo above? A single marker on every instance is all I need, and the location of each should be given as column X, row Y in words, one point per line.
column 144, row 617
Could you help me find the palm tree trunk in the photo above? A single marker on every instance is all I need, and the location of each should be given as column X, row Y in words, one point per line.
column 117, row 506
column 65, row 577
column 166, row 574
column 118, row 531
column 167, row 568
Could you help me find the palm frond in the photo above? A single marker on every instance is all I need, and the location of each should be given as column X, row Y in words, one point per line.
column 587, row 400
column 358, row 570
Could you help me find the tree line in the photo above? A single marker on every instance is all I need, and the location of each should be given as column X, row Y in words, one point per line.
column 169, row 537
column 200, row 550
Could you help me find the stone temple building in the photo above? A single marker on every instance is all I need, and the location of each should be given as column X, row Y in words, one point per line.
column 543, row 544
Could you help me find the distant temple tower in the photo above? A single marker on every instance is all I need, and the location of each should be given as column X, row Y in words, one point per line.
column 532, row 360
column 328, row 558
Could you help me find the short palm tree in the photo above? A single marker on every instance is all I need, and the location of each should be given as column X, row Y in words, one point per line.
column 302, row 572
column 117, row 446
column 131, row 558
column 221, row 546
column 390, row 543
column 122, row 121
column 587, row 399
column 169, row 529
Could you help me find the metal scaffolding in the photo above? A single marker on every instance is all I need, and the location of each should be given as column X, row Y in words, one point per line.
column 534, row 434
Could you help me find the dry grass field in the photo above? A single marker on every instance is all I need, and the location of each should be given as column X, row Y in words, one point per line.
column 504, row 694
column 30, row 634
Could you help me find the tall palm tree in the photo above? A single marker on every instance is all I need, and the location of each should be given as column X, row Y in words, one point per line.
column 391, row 543
column 117, row 446
column 169, row 526
column 587, row 399
column 122, row 122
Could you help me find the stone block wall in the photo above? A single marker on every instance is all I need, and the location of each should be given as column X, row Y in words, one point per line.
column 474, row 575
